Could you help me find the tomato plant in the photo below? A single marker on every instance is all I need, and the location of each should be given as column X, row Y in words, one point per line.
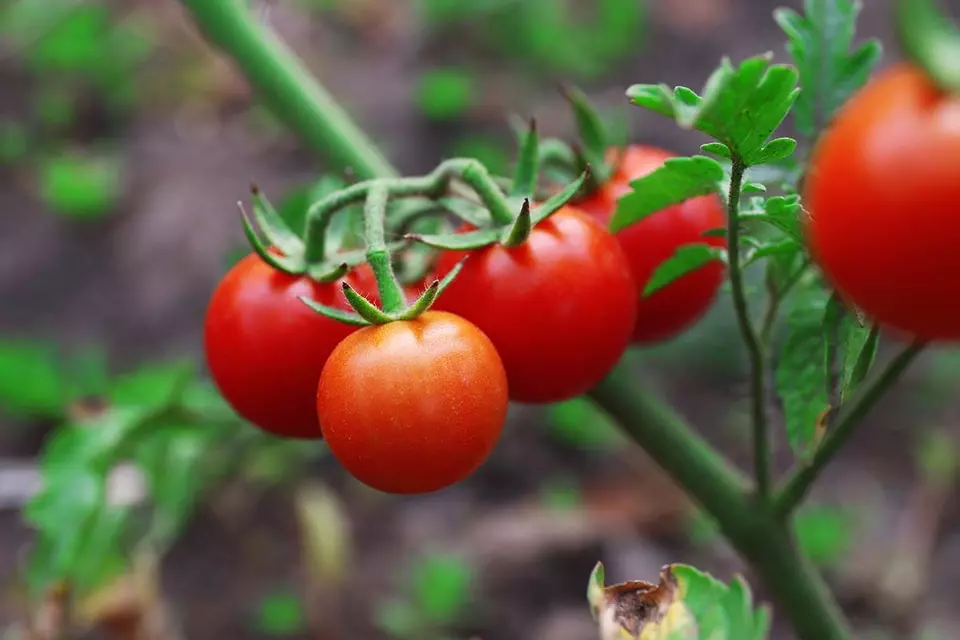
column 265, row 349
column 881, row 197
column 560, row 307
column 649, row 242
column 413, row 406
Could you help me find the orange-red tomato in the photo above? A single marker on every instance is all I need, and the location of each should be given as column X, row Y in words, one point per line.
column 265, row 348
column 648, row 243
column 560, row 307
column 413, row 406
column 883, row 198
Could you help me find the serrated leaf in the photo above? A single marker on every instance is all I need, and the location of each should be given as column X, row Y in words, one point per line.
column 819, row 42
column 686, row 258
column 687, row 604
column 679, row 179
column 31, row 383
column 780, row 212
column 740, row 106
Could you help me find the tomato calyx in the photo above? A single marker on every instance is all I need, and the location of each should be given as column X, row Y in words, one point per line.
column 597, row 146
column 930, row 40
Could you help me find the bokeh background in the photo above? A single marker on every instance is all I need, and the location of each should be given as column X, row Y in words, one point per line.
column 125, row 143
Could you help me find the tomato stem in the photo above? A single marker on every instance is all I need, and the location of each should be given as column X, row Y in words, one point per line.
column 755, row 349
column 476, row 175
column 931, row 41
column 800, row 481
column 378, row 255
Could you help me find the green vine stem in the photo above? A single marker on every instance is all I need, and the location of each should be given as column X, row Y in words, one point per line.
column 755, row 349
column 800, row 481
column 288, row 86
column 721, row 491
column 378, row 255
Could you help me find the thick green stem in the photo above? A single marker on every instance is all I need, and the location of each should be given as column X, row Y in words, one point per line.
column 492, row 197
column 852, row 414
column 378, row 255
column 703, row 474
column 755, row 349
column 286, row 85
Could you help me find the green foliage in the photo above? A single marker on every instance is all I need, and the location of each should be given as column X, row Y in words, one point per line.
column 439, row 590
column 819, row 42
column 444, row 94
column 740, row 107
column 685, row 259
column 80, row 187
column 825, row 533
column 14, row 142
column 579, row 423
column 31, row 382
column 560, row 493
column 494, row 156
column 280, row 615
column 938, row 456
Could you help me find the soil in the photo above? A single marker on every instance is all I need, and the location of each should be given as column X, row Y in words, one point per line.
column 139, row 281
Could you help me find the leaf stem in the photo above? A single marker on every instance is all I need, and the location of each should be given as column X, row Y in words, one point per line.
column 755, row 349
column 719, row 488
column 288, row 87
column 800, row 481
column 378, row 255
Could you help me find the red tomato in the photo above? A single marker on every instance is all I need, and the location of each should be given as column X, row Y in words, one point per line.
column 559, row 308
column 882, row 195
column 648, row 243
column 265, row 348
column 413, row 406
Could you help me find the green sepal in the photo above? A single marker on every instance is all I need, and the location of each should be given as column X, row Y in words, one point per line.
column 335, row 314
column 552, row 205
column 458, row 241
column 592, row 133
column 930, row 39
column 518, row 233
column 364, row 308
column 291, row 265
column 325, row 274
column 528, row 164
column 273, row 226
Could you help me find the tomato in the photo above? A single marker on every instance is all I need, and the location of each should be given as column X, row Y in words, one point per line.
column 265, row 348
column 883, row 194
column 648, row 243
column 413, row 406
column 559, row 308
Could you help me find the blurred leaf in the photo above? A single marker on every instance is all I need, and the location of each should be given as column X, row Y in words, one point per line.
column 824, row 533
column 14, row 142
column 444, row 94
column 31, row 383
column 679, row 179
column 938, row 456
column 686, row 259
column 819, row 42
column 399, row 619
column 441, row 588
column 75, row 41
column 324, row 533
column 687, row 603
column 578, row 422
column 281, row 614
column 55, row 107
column 156, row 385
column 560, row 494
column 80, row 187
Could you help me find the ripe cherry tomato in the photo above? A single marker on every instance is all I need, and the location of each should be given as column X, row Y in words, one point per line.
column 265, row 348
column 882, row 196
column 413, row 406
column 559, row 308
column 650, row 242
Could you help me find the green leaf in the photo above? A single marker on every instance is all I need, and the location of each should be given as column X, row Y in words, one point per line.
column 740, row 106
column 14, row 142
column 685, row 259
column 938, row 456
column 79, row 186
column 155, row 386
column 580, row 423
column 679, row 179
column 31, row 382
column 819, row 43
column 444, row 94
column 779, row 212
column 281, row 615
column 399, row 619
column 560, row 494
column 441, row 587
column 824, row 533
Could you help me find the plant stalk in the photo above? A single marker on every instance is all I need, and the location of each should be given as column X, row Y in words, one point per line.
column 288, row 87
column 755, row 349
column 378, row 255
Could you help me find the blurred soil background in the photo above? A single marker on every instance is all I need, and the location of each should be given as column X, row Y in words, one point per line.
column 118, row 216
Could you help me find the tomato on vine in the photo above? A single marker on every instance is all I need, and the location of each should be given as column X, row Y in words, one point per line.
column 882, row 194
column 413, row 406
column 649, row 242
column 265, row 349
column 560, row 307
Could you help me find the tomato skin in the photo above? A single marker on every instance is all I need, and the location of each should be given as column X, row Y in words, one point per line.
column 413, row 406
column 648, row 243
column 265, row 348
column 559, row 308
column 882, row 196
